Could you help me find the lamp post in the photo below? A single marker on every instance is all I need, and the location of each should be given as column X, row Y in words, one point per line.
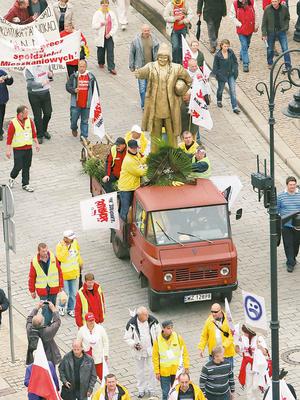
column 267, row 184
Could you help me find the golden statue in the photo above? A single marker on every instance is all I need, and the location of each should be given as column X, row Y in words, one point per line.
column 167, row 83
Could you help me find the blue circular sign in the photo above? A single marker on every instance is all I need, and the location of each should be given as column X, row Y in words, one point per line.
column 253, row 308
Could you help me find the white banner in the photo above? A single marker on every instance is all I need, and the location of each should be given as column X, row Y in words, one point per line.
column 255, row 311
column 285, row 393
column 52, row 52
column 100, row 212
column 198, row 107
column 96, row 114
column 186, row 53
column 224, row 182
column 24, row 35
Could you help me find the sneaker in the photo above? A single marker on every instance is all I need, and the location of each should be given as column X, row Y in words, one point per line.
column 290, row 268
column 40, row 140
column 74, row 132
column 123, row 27
column 47, row 135
column 71, row 313
column 245, row 68
column 113, row 72
column 236, row 110
column 101, row 66
column 11, row 182
column 219, row 104
column 28, row 188
column 61, row 311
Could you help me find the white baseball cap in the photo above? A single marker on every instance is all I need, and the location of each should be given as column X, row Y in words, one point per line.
column 69, row 234
column 136, row 129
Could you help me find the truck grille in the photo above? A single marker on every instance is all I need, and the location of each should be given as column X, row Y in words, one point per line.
column 186, row 275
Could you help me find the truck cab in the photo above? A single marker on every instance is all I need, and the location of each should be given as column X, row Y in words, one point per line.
column 179, row 241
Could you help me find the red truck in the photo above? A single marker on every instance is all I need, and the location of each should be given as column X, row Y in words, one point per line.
column 179, row 241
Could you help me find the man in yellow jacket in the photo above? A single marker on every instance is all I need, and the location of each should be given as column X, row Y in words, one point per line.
column 111, row 390
column 186, row 389
column 216, row 332
column 137, row 134
column 68, row 254
column 166, row 357
column 133, row 168
column 189, row 145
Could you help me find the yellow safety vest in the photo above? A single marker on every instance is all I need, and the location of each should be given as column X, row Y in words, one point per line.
column 169, row 351
column 22, row 136
column 191, row 150
column 205, row 174
column 70, row 268
column 85, row 304
column 42, row 280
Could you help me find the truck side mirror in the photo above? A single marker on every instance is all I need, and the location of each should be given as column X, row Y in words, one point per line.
column 239, row 213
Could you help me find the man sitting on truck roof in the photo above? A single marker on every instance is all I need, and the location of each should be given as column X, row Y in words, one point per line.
column 189, row 145
column 133, row 168
column 113, row 164
column 201, row 164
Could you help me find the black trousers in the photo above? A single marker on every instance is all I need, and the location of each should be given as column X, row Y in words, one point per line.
column 109, row 49
column 291, row 242
column 42, row 110
column 2, row 114
column 71, row 69
column 22, row 161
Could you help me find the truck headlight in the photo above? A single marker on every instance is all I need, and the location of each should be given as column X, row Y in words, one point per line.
column 224, row 271
column 168, row 277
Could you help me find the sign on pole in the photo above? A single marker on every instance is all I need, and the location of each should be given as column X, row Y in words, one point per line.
column 255, row 311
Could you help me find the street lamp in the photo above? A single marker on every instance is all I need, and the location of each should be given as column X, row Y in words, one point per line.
column 266, row 184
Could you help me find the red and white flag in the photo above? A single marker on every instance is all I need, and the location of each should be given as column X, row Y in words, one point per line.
column 186, row 53
column 41, row 382
column 198, row 107
column 96, row 114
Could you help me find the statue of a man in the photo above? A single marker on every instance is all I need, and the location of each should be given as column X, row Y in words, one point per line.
column 167, row 83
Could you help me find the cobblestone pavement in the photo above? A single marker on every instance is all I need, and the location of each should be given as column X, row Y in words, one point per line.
column 54, row 207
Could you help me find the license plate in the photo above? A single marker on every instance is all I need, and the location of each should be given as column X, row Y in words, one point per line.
column 197, row 297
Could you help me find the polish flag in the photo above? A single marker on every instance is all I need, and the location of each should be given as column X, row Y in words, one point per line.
column 96, row 114
column 41, row 382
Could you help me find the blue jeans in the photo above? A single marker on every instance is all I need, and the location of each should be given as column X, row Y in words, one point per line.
column 83, row 113
column 126, row 201
column 142, row 89
column 245, row 43
column 70, row 287
column 47, row 313
column 165, row 383
column 177, row 45
column 231, row 84
column 281, row 36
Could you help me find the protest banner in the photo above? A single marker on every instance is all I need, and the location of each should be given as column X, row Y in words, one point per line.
column 96, row 114
column 255, row 311
column 198, row 107
column 100, row 212
column 52, row 52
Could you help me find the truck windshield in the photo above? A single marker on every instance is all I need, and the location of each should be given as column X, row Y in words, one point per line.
column 188, row 225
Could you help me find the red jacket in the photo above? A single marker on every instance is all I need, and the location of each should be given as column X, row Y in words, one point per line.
column 246, row 15
column 21, row 13
column 265, row 3
column 116, row 168
column 95, row 304
column 83, row 39
column 11, row 132
column 43, row 292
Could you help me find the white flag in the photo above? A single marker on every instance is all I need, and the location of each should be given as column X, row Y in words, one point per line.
column 100, row 212
column 229, row 316
column 180, row 370
column 186, row 53
column 255, row 311
column 198, row 107
column 285, row 393
column 224, row 182
column 96, row 114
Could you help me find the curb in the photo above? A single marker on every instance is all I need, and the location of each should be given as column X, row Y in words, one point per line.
column 154, row 16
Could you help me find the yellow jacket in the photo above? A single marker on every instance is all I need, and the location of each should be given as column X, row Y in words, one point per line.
column 143, row 141
column 68, row 267
column 131, row 172
column 167, row 345
column 208, row 337
column 191, row 150
column 123, row 393
column 198, row 394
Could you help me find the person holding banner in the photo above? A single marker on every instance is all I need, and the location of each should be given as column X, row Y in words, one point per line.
column 5, row 80
column 178, row 15
column 196, row 53
column 254, row 371
column 81, row 85
column 64, row 14
column 105, row 26
column 19, row 13
column 216, row 331
column 186, row 389
column 168, row 350
column 37, row 7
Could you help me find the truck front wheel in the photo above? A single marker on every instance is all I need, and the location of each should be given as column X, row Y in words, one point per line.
column 120, row 250
column 153, row 300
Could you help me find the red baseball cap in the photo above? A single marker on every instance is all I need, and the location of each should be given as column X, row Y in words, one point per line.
column 89, row 316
